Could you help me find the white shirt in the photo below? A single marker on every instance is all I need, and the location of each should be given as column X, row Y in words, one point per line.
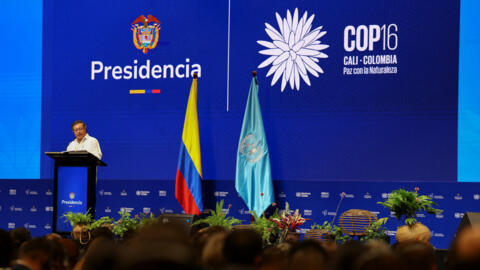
column 88, row 143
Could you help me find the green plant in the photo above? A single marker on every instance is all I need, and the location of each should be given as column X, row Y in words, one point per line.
column 124, row 223
column 78, row 218
column 265, row 227
column 376, row 230
column 147, row 219
column 287, row 222
column 100, row 222
column 406, row 204
column 218, row 218
column 334, row 232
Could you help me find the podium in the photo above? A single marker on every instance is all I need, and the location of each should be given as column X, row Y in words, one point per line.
column 74, row 185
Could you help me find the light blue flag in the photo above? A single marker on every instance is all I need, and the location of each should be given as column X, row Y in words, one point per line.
column 253, row 179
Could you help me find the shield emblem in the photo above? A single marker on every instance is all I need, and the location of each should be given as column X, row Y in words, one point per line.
column 145, row 36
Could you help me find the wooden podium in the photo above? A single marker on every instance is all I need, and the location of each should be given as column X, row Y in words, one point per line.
column 74, row 185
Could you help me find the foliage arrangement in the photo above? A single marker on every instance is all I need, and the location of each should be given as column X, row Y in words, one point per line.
column 147, row 219
column 101, row 222
column 405, row 204
column 124, row 224
column 266, row 227
column 334, row 232
column 288, row 222
column 78, row 218
column 218, row 218
column 376, row 230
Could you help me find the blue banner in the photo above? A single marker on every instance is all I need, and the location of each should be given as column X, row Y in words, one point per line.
column 71, row 195
column 353, row 91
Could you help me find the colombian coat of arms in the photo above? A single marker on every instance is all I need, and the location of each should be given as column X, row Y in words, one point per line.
column 145, row 32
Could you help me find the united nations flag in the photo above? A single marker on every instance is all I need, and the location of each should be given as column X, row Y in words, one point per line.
column 253, row 179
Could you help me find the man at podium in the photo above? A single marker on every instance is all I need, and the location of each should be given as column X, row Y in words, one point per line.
column 83, row 141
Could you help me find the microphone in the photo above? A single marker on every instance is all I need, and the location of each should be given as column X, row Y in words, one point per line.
column 338, row 206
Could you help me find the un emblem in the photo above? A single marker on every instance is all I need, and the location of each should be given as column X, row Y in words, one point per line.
column 145, row 36
column 251, row 148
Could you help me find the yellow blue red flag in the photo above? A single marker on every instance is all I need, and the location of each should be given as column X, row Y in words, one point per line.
column 188, row 183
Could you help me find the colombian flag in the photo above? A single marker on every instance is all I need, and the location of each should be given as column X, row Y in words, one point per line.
column 188, row 186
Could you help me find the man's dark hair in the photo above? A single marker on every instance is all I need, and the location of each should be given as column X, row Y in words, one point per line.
column 19, row 236
column 347, row 254
column 464, row 253
column 416, row 255
column 6, row 249
column 308, row 254
column 79, row 122
column 35, row 248
column 242, row 247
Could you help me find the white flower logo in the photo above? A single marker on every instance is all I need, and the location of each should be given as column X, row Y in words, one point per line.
column 294, row 50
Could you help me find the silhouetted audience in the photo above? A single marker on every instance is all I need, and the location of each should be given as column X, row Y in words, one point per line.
column 167, row 246
column 275, row 257
column 308, row 255
column 243, row 247
column 19, row 236
column 158, row 246
column 34, row 255
column 102, row 254
column 6, row 249
column 416, row 255
column 347, row 254
column 379, row 256
column 212, row 255
column 465, row 250
column 71, row 251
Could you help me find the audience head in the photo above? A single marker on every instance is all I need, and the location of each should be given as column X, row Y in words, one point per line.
column 6, row 249
column 275, row 257
column 159, row 246
column 102, row 254
column 347, row 254
column 465, row 250
column 212, row 254
column 243, row 247
column 19, row 236
column 57, row 259
column 71, row 250
column 416, row 255
column 35, row 253
column 379, row 256
column 308, row 255
column 200, row 238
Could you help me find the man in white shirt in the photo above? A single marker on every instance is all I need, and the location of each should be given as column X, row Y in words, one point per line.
column 83, row 141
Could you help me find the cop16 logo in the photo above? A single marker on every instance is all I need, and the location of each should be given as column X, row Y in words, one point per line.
column 365, row 37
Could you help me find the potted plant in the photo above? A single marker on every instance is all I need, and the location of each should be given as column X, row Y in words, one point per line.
column 333, row 232
column 376, row 231
column 405, row 205
column 288, row 223
column 79, row 222
column 266, row 227
column 147, row 219
column 219, row 218
column 124, row 224
column 101, row 222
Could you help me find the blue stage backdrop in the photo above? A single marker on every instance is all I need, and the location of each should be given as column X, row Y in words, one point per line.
column 349, row 90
